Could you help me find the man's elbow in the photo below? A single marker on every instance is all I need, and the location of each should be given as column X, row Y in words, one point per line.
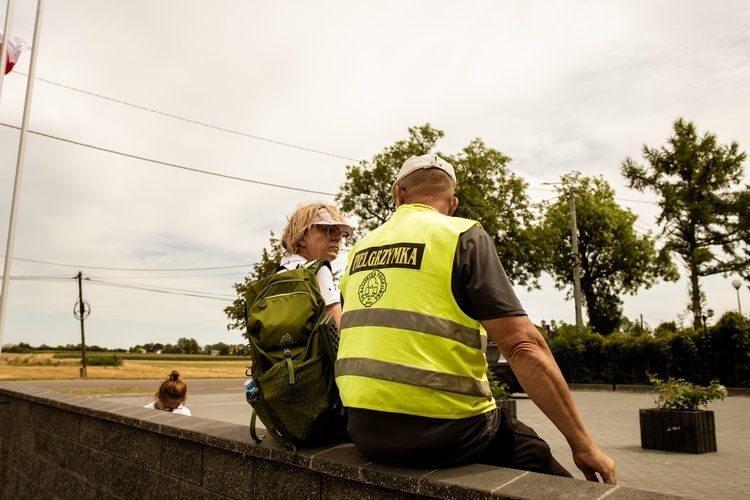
column 523, row 350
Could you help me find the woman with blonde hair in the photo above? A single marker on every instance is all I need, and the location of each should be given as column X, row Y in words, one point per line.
column 315, row 231
column 171, row 395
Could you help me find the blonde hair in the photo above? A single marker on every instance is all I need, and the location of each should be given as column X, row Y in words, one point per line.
column 173, row 388
column 300, row 222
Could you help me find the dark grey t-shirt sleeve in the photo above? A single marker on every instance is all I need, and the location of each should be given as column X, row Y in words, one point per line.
column 479, row 283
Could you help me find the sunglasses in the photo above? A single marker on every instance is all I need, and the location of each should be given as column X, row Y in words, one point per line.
column 333, row 232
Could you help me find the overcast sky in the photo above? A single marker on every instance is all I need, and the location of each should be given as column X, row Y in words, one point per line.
column 288, row 94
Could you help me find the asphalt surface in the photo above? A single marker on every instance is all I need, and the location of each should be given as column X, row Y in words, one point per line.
column 611, row 417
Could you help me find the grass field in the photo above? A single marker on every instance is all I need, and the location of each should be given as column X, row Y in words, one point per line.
column 43, row 366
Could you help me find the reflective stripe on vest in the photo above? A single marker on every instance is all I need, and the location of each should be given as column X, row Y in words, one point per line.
column 423, row 323
column 403, row 374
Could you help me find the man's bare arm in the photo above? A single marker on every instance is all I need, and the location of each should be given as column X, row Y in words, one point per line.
column 537, row 371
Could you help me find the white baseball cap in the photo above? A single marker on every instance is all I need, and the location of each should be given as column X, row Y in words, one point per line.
column 422, row 163
column 323, row 218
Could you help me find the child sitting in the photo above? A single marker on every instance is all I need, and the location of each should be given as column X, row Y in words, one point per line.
column 171, row 395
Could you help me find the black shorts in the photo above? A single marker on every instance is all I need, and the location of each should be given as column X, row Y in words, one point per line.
column 492, row 438
column 518, row 446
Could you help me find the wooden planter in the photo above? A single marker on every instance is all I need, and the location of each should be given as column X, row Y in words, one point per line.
column 678, row 430
column 510, row 404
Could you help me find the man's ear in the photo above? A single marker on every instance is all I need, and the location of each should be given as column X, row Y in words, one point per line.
column 454, row 206
column 400, row 195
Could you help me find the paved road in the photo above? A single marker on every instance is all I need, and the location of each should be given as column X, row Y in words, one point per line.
column 612, row 419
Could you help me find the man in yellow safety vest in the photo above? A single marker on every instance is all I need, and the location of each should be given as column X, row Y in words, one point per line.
column 420, row 295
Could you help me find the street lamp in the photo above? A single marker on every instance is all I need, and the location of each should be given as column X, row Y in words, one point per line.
column 550, row 327
column 709, row 314
column 545, row 325
column 737, row 284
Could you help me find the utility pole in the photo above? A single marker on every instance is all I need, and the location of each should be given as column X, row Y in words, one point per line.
column 575, row 259
column 81, row 311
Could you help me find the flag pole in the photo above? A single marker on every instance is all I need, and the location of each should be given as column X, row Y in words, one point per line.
column 4, row 49
column 19, row 166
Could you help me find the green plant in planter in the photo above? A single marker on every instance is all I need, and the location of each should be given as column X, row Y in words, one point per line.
column 678, row 394
column 500, row 391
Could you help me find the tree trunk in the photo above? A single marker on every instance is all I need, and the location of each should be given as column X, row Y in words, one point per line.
column 695, row 296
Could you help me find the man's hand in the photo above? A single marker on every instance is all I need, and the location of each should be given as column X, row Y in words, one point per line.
column 591, row 462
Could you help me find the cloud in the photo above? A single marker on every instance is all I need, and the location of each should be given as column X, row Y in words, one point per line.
column 290, row 94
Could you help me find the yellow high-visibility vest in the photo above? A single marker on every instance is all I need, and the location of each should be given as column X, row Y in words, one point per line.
column 406, row 346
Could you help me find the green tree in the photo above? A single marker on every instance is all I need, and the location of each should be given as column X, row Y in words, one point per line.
column 188, row 346
column 613, row 258
column 487, row 190
column 267, row 266
column 743, row 202
column 21, row 347
column 729, row 346
column 221, row 347
column 170, row 349
column 633, row 328
column 366, row 193
column 491, row 194
column 703, row 209
column 665, row 328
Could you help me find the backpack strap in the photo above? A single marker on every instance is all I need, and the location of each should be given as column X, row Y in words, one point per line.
column 315, row 265
column 253, row 433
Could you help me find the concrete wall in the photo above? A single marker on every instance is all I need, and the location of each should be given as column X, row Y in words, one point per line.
column 55, row 445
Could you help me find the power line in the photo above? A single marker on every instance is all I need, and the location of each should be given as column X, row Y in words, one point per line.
column 131, row 269
column 637, row 201
column 131, row 286
column 174, row 165
column 171, row 291
column 195, row 122
column 614, row 198
column 175, row 277
column 223, row 129
column 42, row 278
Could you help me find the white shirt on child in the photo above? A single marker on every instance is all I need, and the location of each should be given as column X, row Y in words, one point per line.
column 180, row 410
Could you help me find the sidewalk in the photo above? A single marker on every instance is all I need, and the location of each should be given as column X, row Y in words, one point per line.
column 611, row 417
column 612, row 420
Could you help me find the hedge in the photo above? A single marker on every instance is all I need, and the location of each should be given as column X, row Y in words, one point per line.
column 721, row 352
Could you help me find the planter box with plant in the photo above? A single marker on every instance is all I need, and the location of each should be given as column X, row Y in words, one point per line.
column 501, row 393
column 677, row 423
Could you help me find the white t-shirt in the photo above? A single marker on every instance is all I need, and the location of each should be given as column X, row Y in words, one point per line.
column 180, row 410
column 328, row 288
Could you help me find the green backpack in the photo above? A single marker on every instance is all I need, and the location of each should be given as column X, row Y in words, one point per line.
column 293, row 345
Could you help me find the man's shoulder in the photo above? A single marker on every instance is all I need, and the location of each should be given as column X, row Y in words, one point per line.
column 458, row 223
column 475, row 232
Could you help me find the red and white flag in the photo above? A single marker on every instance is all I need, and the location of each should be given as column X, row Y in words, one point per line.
column 15, row 47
